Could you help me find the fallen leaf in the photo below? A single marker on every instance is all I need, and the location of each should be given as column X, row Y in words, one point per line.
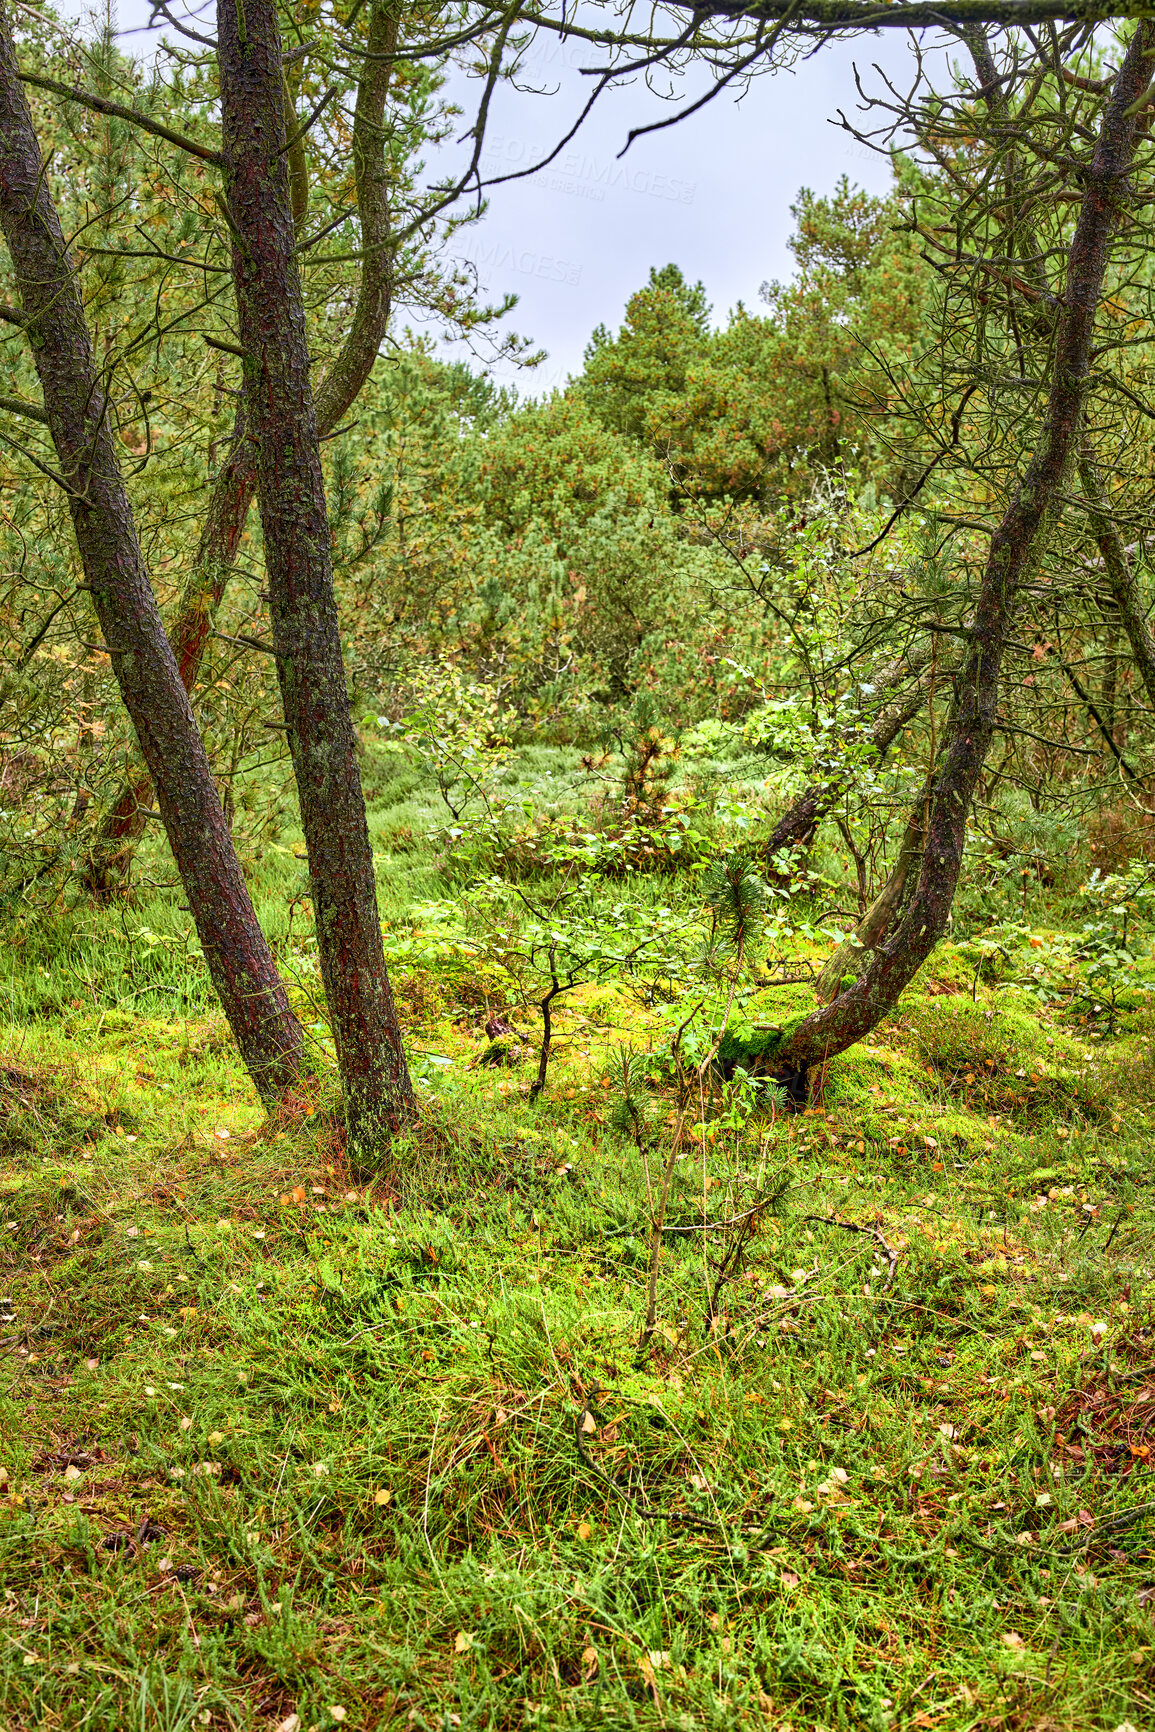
column 383, row 1496
column 1012, row 1639
column 462, row 1642
column 656, row 1659
column 584, row 1530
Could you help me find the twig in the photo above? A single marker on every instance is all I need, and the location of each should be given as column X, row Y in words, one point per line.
column 225, row 348
column 1112, row 1526
column 713, row 1226
column 657, row 1221
column 700, row 1523
column 870, row 1232
column 102, row 105
column 729, row 1264
column 1115, row 1228
column 245, row 642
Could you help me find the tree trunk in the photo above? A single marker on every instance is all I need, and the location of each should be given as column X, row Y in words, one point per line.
column 896, row 960
column 853, row 954
column 302, row 603
column 1120, row 575
column 232, row 494
column 236, row 484
column 238, row 958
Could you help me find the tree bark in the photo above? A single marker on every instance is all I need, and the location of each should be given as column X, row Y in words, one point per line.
column 900, row 954
column 1121, row 579
column 239, row 960
column 124, row 822
column 853, row 954
column 302, row 603
column 236, row 484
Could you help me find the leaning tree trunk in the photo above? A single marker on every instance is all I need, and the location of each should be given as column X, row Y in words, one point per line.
column 123, row 823
column 798, row 824
column 967, row 737
column 236, row 484
column 853, row 955
column 302, row 603
column 238, row 958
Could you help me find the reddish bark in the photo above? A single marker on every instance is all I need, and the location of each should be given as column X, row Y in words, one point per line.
column 302, row 604
column 238, row 958
column 220, row 536
column 967, row 737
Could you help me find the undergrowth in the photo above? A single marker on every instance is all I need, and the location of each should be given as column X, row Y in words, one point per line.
column 289, row 1446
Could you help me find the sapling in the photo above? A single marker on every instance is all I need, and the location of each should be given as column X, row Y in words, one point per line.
column 569, row 940
column 1115, row 942
column 632, row 1115
column 456, row 727
column 736, row 899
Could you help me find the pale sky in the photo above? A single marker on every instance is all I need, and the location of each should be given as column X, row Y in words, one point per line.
column 711, row 194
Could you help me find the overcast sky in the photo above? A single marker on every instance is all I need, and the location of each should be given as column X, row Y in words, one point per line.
column 711, row 194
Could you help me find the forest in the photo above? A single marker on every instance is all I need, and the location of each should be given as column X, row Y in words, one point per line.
column 680, row 844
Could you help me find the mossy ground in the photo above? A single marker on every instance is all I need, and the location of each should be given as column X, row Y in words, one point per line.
column 285, row 1447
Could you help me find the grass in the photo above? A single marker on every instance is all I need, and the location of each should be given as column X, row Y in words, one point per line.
column 284, row 1448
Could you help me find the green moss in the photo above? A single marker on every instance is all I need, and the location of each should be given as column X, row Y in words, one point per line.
column 1001, row 1061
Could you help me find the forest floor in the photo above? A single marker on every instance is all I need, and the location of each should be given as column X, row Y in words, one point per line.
column 285, row 1447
